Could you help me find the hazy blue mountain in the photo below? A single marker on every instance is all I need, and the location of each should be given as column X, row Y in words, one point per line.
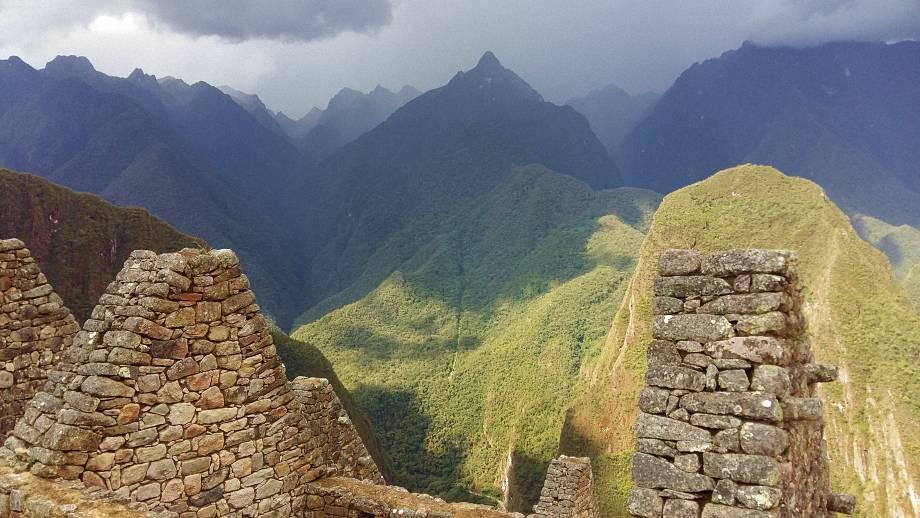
column 844, row 115
column 349, row 114
column 613, row 113
column 188, row 154
column 254, row 105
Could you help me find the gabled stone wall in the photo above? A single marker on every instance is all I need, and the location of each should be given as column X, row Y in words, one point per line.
column 331, row 429
column 568, row 490
column 173, row 393
column 729, row 424
column 34, row 328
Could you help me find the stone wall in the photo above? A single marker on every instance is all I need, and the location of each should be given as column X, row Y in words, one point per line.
column 34, row 328
column 568, row 490
column 729, row 423
column 330, row 427
column 173, row 392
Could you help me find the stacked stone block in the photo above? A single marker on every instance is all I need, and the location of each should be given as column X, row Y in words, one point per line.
column 331, row 429
column 173, row 392
column 34, row 327
column 568, row 490
column 729, row 423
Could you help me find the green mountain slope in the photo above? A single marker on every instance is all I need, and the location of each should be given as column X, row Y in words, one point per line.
column 858, row 316
column 902, row 246
column 466, row 356
column 79, row 240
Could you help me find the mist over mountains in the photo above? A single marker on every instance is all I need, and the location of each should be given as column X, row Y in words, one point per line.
column 458, row 254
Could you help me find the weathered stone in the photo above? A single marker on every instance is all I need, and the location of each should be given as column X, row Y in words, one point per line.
column 145, row 327
column 181, row 413
column 106, row 387
column 653, row 400
column 820, row 372
column 175, row 349
column 651, row 472
column 735, row 380
column 767, row 282
column 744, row 304
column 182, row 368
column 216, row 416
column 754, row 405
column 119, row 338
column 181, row 317
column 808, row 409
column 674, row 508
column 773, row 322
column 724, row 492
column 689, row 346
column 162, row 469
column 747, row 469
column 667, row 305
column 675, row 377
column 689, row 462
column 693, row 286
column 714, row 421
column 736, row 262
column 662, row 352
column 63, row 437
column 237, row 302
column 655, row 447
column 759, row 349
column 658, row 427
column 761, row 498
column 644, row 502
column 211, row 398
column 727, row 441
column 699, row 328
column 679, row 262
column 840, row 503
column 771, row 379
column 763, row 439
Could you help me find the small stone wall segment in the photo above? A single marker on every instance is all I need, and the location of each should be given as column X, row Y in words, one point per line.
column 25, row 495
column 568, row 490
column 331, row 428
column 173, row 392
column 729, row 425
column 347, row 497
column 34, row 327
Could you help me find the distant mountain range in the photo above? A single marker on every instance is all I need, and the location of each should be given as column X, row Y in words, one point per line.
column 458, row 255
column 844, row 115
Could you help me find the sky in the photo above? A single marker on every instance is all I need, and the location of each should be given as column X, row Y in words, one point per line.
column 296, row 54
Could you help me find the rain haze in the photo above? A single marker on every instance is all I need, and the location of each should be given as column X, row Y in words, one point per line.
column 297, row 54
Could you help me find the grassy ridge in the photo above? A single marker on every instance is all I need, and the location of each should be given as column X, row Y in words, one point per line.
column 79, row 240
column 902, row 246
column 859, row 318
column 467, row 355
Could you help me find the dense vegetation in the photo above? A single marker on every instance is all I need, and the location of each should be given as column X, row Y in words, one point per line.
column 465, row 357
column 902, row 246
column 858, row 317
column 79, row 240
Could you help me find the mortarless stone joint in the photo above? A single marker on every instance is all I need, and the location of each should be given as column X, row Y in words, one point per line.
column 730, row 426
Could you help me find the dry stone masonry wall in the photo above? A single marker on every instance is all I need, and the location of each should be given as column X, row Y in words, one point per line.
column 568, row 490
column 34, row 327
column 729, row 425
column 173, row 393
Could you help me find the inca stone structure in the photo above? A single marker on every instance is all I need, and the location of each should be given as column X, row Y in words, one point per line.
column 730, row 426
column 568, row 490
column 171, row 401
column 34, row 328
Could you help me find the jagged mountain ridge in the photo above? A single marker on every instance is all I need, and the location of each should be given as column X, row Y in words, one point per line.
column 842, row 114
column 613, row 113
column 187, row 153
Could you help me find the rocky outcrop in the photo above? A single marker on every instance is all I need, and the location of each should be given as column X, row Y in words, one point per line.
column 729, row 423
column 35, row 327
column 568, row 490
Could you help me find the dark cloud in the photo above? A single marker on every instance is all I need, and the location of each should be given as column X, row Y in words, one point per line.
column 290, row 20
column 808, row 22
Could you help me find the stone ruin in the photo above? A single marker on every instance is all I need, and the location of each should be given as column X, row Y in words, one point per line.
column 171, row 401
column 34, row 328
column 730, row 426
column 568, row 490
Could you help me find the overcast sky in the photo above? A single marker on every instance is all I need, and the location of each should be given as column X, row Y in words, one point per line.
column 297, row 53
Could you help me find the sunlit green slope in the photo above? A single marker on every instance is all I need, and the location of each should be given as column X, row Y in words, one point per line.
column 859, row 318
column 467, row 355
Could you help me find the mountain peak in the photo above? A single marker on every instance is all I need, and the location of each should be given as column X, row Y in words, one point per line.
column 489, row 60
column 70, row 66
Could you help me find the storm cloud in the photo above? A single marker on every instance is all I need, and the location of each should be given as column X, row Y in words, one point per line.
column 290, row 20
